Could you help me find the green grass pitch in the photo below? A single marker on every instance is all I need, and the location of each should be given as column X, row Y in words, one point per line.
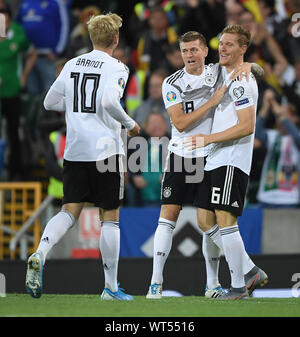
column 22, row 305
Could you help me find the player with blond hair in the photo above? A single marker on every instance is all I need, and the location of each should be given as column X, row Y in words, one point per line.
column 190, row 96
column 221, row 195
column 89, row 89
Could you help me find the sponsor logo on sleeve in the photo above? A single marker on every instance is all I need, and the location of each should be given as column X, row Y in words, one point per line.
column 242, row 102
column 121, row 83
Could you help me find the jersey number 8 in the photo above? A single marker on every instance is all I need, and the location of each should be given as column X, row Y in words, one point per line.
column 189, row 106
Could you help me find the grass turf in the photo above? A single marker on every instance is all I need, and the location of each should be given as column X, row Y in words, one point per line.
column 22, row 305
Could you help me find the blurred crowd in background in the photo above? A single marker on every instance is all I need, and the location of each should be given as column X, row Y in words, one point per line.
column 43, row 34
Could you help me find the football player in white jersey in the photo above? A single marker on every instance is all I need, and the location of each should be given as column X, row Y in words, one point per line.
column 89, row 89
column 190, row 95
column 220, row 197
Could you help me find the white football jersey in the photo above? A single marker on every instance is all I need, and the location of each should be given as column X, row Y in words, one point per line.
column 192, row 91
column 92, row 133
column 238, row 153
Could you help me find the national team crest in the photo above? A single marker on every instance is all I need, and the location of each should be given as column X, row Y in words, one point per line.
column 167, row 192
column 209, row 80
column 121, row 83
column 171, row 96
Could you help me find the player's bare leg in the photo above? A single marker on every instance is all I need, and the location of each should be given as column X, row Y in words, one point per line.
column 73, row 208
column 162, row 247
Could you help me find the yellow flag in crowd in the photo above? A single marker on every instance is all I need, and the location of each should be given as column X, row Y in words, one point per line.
column 252, row 6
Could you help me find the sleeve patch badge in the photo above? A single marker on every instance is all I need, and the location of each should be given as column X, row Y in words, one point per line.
column 171, row 96
column 238, row 92
column 243, row 101
column 121, row 83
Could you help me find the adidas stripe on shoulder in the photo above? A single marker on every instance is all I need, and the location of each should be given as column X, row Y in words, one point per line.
column 178, row 74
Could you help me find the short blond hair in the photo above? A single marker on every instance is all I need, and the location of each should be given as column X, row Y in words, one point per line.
column 103, row 28
column 243, row 33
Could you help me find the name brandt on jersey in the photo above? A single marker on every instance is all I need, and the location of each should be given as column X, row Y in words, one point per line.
column 89, row 63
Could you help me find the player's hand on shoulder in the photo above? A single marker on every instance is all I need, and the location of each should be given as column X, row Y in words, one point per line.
column 217, row 96
column 135, row 131
column 243, row 70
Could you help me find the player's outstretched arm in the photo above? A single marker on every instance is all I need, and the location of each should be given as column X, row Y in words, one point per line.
column 182, row 121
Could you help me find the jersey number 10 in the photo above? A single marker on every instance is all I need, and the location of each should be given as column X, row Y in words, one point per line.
column 83, row 92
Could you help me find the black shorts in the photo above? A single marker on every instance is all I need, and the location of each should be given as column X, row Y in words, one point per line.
column 223, row 188
column 82, row 182
column 180, row 179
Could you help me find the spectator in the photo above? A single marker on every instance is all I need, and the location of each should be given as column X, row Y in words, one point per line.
column 47, row 26
column 233, row 12
column 11, row 49
column 147, row 181
column 52, row 137
column 154, row 103
column 134, row 91
column 80, row 42
column 287, row 32
column 139, row 20
column 264, row 50
column 279, row 183
column 173, row 54
column 291, row 85
column 269, row 14
column 150, row 53
column 207, row 17
column 228, row 14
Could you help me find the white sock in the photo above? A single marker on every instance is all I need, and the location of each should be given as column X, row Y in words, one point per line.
column 234, row 250
column 54, row 231
column 215, row 235
column 162, row 247
column 211, row 253
column 247, row 263
column 109, row 245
